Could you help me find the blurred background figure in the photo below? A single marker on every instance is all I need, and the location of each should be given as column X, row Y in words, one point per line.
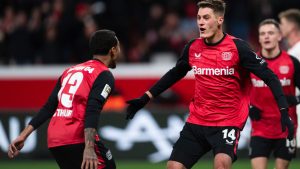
column 290, row 27
column 40, row 38
column 55, row 31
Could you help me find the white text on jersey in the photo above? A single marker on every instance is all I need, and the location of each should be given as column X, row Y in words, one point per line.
column 84, row 68
column 63, row 113
column 213, row 71
column 260, row 83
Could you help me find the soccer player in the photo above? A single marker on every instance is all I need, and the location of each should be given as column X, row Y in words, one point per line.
column 290, row 27
column 218, row 111
column 74, row 108
column 266, row 134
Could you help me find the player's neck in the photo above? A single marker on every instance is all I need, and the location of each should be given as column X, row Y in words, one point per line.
column 293, row 38
column 270, row 54
column 215, row 38
column 104, row 59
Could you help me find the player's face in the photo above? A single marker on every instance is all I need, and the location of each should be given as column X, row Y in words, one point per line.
column 115, row 54
column 285, row 26
column 208, row 22
column 269, row 36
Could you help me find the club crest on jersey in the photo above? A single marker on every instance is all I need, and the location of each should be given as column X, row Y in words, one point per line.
column 226, row 56
column 284, row 69
column 197, row 55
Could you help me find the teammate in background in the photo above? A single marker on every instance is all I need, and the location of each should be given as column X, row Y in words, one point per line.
column 74, row 108
column 266, row 134
column 221, row 64
column 290, row 28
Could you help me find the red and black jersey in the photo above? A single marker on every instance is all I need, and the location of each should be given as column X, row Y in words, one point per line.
column 269, row 126
column 222, row 84
column 222, row 80
column 76, row 102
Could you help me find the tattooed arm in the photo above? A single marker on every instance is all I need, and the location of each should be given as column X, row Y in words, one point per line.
column 100, row 91
column 90, row 160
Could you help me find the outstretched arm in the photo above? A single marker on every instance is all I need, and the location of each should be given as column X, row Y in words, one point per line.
column 170, row 78
column 255, row 64
column 15, row 147
column 45, row 113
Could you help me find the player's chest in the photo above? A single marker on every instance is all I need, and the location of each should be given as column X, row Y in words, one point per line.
column 214, row 58
column 282, row 68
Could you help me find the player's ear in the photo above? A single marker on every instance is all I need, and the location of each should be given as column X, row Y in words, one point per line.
column 113, row 52
column 280, row 36
column 220, row 20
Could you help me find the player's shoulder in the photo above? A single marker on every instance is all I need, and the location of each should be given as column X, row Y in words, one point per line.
column 237, row 40
column 294, row 59
column 195, row 40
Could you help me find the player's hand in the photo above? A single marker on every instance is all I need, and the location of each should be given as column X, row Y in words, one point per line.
column 90, row 159
column 135, row 105
column 15, row 147
column 292, row 100
column 254, row 113
column 286, row 122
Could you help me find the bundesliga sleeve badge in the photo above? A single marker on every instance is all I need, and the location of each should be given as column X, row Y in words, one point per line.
column 106, row 90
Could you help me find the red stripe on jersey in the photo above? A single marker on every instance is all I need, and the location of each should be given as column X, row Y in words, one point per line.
column 237, row 141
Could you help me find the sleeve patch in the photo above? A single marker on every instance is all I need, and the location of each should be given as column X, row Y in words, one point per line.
column 106, row 90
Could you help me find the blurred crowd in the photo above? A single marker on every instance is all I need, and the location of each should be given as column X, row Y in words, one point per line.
column 57, row 31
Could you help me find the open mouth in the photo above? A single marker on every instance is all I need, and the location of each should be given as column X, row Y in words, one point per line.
column 202, row 29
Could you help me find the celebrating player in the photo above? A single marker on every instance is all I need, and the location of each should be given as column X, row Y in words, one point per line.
column 74, row 108
column 218, row 111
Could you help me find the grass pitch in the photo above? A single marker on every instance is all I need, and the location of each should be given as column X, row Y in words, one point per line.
column 202, row 164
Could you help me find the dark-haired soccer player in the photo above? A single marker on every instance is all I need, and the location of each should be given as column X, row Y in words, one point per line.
column 219, row 109
column 267, row 135
column 74, row 108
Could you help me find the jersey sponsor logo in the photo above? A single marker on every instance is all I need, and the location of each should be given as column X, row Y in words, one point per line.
column 213, row 71
column 284, row 69
column 261, row 83
column 226, row 56
column 63, row 113
column 84, row 68
column 197, row 55
column 106, row 90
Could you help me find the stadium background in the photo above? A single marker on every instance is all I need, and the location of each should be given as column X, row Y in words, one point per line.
column 40, row 38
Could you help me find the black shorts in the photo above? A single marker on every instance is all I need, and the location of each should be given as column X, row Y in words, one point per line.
column 70, row 156
column 196, row 140
column 281, row 148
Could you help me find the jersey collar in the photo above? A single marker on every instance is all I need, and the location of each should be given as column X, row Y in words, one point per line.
column 214, row 44
column 260, row 53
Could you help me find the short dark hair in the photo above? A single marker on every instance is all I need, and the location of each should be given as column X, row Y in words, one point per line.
column 217, row 6
column 292, row 15
column 269, row 21
column 102, row 41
